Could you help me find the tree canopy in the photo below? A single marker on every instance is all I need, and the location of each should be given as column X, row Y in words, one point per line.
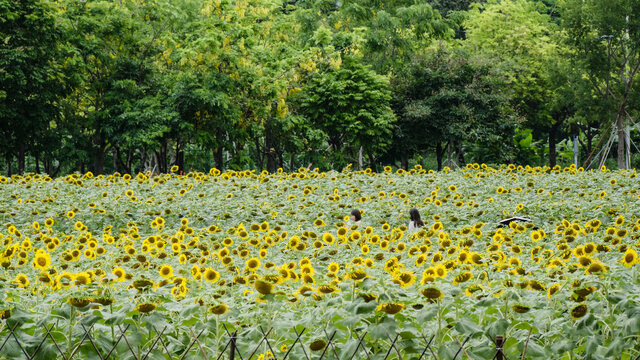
column 144, row 85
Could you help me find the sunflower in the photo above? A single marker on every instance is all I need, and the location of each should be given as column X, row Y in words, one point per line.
column 211, row 275
column 369, row 263
column 219, row 309
column 327, row 289
column 305, row 290
column 630, row 257
column 22, row 280
column 390, row 308
column 239, row 280
column 535, row 285
column 42, row 260
column 317, row 345
column 328, row 238
column 263, row 287
column 463, row 277
column 342, row 231
column 535, row 236
column 463, row 256
column 404, row 279
column 595, row 268
column 357, row 275
column 521, row 309
column 252, row 264
column 579, row 311
column 515, row 262
column 227, row 260
column 584, row 261
column 79, row 302
column 82, row 279
column 71, row 214
column 432, row 293
column 552, row 290
column 166, row 271
column 89, row 254
column 145, row 307
column 364, row 249
column 333, row 267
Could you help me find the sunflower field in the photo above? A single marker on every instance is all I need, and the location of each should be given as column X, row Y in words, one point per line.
column 241, row 250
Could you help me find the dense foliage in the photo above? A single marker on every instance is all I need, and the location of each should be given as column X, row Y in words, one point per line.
column 141, row 85
column 242, row 249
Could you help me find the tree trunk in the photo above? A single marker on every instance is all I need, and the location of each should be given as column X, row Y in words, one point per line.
column 21, row 156
column 114, row 160
column 439, row 155
column 360, row 159
column 460, row 155
column 259, row 157
column 179, row 156
column 143, row 160
column 372, row 162
column 450, row 154
column 404, row 162
column 271, row 160
column 9, row 173
column 129, row 162
column 163, row 158
column 98, row 166
column 270, row 149
column 587, row 147
column 622, row 164
column 218, row 158
column 292, row 162
column 122, row 165
column 37, row 162
column 552, row 145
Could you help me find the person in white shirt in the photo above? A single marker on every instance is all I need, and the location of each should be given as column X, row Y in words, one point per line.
column 416, row 222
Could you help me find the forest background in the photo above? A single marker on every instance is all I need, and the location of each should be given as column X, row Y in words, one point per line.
column 144, row 85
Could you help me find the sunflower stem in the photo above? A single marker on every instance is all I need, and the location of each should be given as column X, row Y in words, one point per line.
column 439, row 320
column 72, row 317
column 113, row 336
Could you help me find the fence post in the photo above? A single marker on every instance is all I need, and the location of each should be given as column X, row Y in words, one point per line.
column 499, row 343
column 233, row 345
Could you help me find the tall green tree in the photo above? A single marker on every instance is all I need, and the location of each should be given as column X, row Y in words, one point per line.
column 350, row 103
column 523, row 42
column 32, row 80
column 116, row 109
column 448, row 104
column 605, row 35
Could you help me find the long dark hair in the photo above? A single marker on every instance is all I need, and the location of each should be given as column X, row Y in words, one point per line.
column 357, row 214
column 415, row 217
